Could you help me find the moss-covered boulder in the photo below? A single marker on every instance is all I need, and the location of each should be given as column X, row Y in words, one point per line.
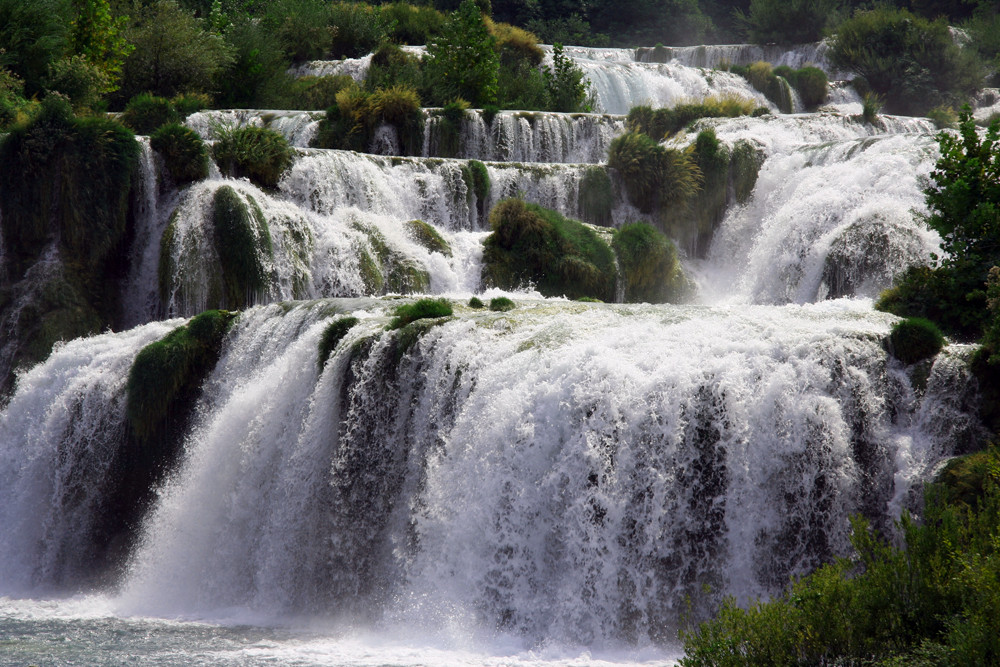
column 650, row 269
column 257, row 153
column 560, row 257
column 386, row 270
column 421, row 309
column 596, row 196
column 915, row 339
column 425, row 234
column 331, row 337
column 654, row 176
column 243, row 243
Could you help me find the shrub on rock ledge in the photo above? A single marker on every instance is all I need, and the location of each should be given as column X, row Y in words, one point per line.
column 257, row 153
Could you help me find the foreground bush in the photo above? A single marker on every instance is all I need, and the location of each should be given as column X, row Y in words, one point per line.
column 257, row 153
column 183, row 151
column 536, row 246
column 935, row 601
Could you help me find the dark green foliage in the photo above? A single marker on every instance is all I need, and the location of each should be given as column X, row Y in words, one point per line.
column 915, row 339
column 477, row 303
column 654, row 176
column 501, row 304
column 12, row 102
column 661, row 123
column 388, row 270
column 356, row 29
column 391, row 66
column 413, row 24
column 462, row 62
column 243, row 242
column 935, row 601
column 745, row 161
column 144, row 113
column 79, row 80
column 351, row 123
column 332, row 335
column 763, row 78
column 301, row 26
column 257, row 153
column 596, row 197
column 425, row 234
column 809, row 82
column 189, row 103
column 255, row 77
column 954, row 301
column 99, row 38
column 912, row 61
column 480, row 180
column 871, row 105
column 183, row 151
column 965, row 478
column 33, row 35
column 708, row 206
column 649, row 265
column 424, row 308
column 530, row 244
column 69, row 178
column 787, row 21
column 173, row 53
column 565, row 83
column 169, row 369
column 315, row 93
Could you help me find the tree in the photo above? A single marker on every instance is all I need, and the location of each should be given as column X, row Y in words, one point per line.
column 32, row 36
column 463, row 61
column 99, row 38
column 565, row 83
column 174, row 53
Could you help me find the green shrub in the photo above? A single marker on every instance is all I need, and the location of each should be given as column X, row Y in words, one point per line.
column 314, row 93
column 515, row 45
column 174, row 53
column 530, row 244
column 786, row 21
column 256, row 75
column 761, row 76
column 331, row 337
column 462, row 61
column 171, row 369
column 301, row 26
column 912, row 61
column 356, row 29
column 79, row 80
column 944, row 118
column 661, row 123
column 648, row 263
column 424, row 308
column 871, row 105
column 257, row 153
column 935, row 601
column 67, row 178
column 243, row 243
column 477, row 303
column 33, row 35
column 654, row 176
column 952, row 300
column 351, row 123
column 391, row 66
column 596, row 196
column 810, row 83
column 501, row 304
column 915, row 339
column 565, row 82
column 425, row 234
column 183, row 151
column 965, row 478
column 144, row 113
column 412, row 24
column 186, row 104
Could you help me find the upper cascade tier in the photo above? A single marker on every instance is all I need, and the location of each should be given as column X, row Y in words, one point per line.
column 562, row 471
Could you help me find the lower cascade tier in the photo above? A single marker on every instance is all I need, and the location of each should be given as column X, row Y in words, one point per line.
column 564, row 471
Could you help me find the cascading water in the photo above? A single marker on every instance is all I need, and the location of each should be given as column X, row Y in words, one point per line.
column 557, row 480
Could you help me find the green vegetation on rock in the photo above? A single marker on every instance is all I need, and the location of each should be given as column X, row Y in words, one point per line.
column 257, row 153
column 501, row 304
column 654, row 176
column 537, row 246
column 650, row 269
column 596, row 196
column 661, row 123
column 331, row 337
column 388, row 271
column 915, row 339
column 243, row 243
column 183, row 151
column 425, row 234
column 421, row 309
column 144, row 113
column 477, row 303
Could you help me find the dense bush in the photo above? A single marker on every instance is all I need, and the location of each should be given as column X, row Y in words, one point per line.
column 659, row 124
column 412, row 24
column 560, row 257
column 787, row 21
column 301, row 26
column 33, row 35
column 654, row 176
column 935, row 601
column 173, row 53
column 257, row 153
column 567, row 88
column 424, row 308
column 183, row 151
column 144, row 113
column 356, row 29
column 762, row 77
column 477, row 303
column 351, row 123
column 186, row 104
column 391, row 66
column 809, row 82
column 912, row 61
column 596, row 196
column 462, row 62
column 915, row 339
column 255, row 77
column 79, row 80
column 649, row 266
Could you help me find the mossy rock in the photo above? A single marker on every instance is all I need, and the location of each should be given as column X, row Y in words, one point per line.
column 654, row 176
column 421, row 309
column 650, row 269
column 257, row 153
column 477, row 303
column 386, row 270
column 243, row 243
column 331, row 337
column 745, row 163
column 501, row 304
column 533, row 245
column 425, row 234
column 915, row 339
column 164, row 371
column 596, row 196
